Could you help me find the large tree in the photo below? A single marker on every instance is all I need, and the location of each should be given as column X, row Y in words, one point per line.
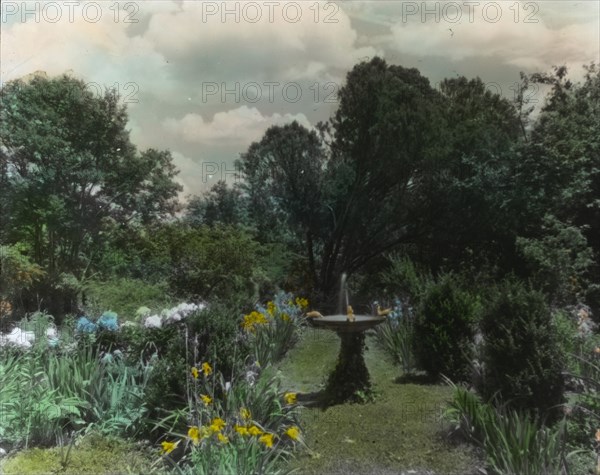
column 69, row 167
column 219, row 205
column 478, row 210
column 389, row 140
column 359, row 186
column 283, row 187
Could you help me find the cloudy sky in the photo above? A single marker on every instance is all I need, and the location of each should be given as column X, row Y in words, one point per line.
column 205, row 79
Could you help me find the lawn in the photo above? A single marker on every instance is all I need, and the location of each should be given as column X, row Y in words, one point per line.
column 399, row 431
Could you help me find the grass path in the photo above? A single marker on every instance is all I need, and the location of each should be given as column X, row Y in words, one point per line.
column 400, row 432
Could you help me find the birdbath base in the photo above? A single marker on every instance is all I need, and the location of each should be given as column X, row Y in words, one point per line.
column 350, row 379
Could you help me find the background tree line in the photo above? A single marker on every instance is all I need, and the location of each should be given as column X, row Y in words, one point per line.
column 455, row 178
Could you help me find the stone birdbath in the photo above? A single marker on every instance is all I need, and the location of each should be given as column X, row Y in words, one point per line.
column 350, row 376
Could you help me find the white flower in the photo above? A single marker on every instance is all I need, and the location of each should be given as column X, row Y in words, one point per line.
column 19, row 338
column 153, row 321
column 227, row 386
column 174, row 317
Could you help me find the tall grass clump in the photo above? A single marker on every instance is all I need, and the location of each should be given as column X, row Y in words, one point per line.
column 515, row 442
column 396, row 337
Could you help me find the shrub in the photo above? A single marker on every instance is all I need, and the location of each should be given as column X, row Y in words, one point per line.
column 405, row 278
column 209, row 263
column 445, row 329
column 521, row 353
column 18, row 273
column 125, row 296
column 215, row 333
column 560, row 261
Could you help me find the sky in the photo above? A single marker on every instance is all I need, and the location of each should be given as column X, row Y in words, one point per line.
column 205, row 79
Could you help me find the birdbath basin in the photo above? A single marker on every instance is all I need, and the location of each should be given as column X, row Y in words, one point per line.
column 350, row 378
column 340, row 323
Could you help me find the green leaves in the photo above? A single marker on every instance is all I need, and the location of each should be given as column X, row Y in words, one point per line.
column 445, row 328
column 72, row 165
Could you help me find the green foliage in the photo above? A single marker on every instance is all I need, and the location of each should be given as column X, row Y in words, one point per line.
column 445, row 329
column 273, row 330
column 120, row 406
column 34, row 404
column 165, row 349
column 584, row 408
column 17, row 272
column 211, row 335
column 560, row 261
column 221, row 205
column 219, row 262
column 244, row 457
column 514, row 441
column 468, row 415
column 72, row 168
column 564, row 145
column 124, row 296
column 214, row 334
column 474, row 212
column 398, row 340
column 45, row 393
column 241, row 403
column 405, row 278
column 521, row 353
column 38, row 323
column 517, row 444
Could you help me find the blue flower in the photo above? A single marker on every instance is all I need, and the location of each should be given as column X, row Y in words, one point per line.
column 108, row 321
column 84, row 325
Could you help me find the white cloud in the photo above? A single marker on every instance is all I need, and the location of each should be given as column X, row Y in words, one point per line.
column 271, row 48
column 239, row 126
column 532, row 46
column 101, row 52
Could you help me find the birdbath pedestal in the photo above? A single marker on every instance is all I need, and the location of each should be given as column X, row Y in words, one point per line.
column 350, row 374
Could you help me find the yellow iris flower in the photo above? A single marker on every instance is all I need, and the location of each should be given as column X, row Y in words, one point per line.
column 290, row 398
column 293, row 433
column 267, row 439
column 253, row 430
column 252, row 319
column 206, row 369
column 194, row 434
column 242, row 430
column 217, row 424
column 206, row 399
column 195, row 372
column 222, row 438
column 168, row 447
